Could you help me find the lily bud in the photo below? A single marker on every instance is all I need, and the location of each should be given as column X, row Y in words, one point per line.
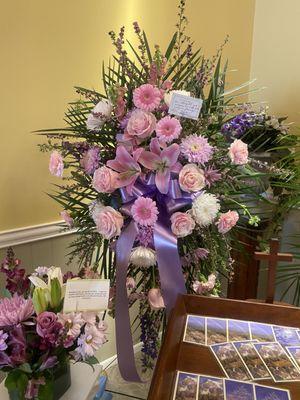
column 39, row 299
column 55, row 292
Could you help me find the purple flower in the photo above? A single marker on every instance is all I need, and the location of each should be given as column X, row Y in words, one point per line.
column 196, row 149
column 48, row 328
column 17, row 345
column 162, row 161
column 211, row 176
column 3, row 337
column 15, row 310
column 48, row 362
column 238, row 125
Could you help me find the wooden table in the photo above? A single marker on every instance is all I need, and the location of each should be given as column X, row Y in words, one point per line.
column 177, row 355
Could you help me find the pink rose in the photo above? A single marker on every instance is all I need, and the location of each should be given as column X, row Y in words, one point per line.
column 191, row 178
column 238, row 152
column 108, row 221
column 155, row 299
column 141, row 124
column 105, row 180
column 56, row 164
column 182, row 224
column 67, row 218
column 227, row 221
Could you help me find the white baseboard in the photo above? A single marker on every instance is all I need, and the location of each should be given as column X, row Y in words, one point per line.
column 111, row 361
column 34, row 233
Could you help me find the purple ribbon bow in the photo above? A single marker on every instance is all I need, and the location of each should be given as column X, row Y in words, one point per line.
column 168, row 260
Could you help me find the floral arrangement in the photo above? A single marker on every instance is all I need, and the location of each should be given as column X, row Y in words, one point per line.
column 163, row 197
column 36, row 338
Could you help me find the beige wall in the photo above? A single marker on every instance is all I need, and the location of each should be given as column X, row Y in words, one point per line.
column 276, row 56
column 47, row 47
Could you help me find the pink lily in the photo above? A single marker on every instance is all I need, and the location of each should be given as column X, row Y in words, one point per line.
column 127, row 166
column 163, row 162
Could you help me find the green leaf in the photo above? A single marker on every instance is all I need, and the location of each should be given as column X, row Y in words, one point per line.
column 17, row 381
column 147, row 47
column 6, row 293
column 46, row 391
column 171, row 46
column 25, row 368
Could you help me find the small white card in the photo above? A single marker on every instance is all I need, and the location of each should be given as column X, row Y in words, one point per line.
column 185, row 106
column 86, row 295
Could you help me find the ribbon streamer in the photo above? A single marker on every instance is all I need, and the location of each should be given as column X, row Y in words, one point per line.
column 169, row 265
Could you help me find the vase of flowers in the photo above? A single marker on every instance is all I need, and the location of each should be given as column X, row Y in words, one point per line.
column 37, row 340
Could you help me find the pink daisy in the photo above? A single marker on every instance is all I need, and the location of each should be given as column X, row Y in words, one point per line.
column 168, row 129
column 147, row 97
column 144, row 211
column 196, row 149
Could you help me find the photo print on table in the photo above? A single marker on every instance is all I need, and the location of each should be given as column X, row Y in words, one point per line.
column 286, row 336
column 235, row 390
column 195, row 330
column 186, row 387
column 254, row 363
column 270, row 393
column 279, row 364
column 216, row 331
column 294, row 353
column 238, row 330
column 262, row 332
column 210, row 388
column 230, row 361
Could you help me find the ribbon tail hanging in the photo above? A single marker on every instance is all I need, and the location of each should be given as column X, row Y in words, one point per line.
column 169, row 264
column 124, row 339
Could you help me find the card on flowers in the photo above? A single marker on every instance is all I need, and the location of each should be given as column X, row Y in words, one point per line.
column 195, row 330
column 86, row 295
column 294, row 352
column 261, row 332
column 230, row 361
column 186, row 386
column 286, row 336
column 238, row 330
column 279, row 365
column 235, row 390
column 271, row 393
column 185, row 106
column 216, row 330
column 211, row 388
column 252, row 360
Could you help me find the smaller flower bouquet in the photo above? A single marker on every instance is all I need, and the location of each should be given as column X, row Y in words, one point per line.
column 37, row 341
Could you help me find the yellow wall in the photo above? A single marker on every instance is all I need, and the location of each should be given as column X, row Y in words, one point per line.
column 47, row 47
column 276, row 56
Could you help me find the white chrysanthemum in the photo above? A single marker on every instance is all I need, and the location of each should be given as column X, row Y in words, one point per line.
column 99, row 115
column 143, row 257
column 205, row 209
column 168, row 95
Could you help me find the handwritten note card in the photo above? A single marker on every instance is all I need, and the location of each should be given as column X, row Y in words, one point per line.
column 86, row 295
column 185, row 106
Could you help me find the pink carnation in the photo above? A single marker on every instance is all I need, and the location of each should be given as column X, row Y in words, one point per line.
column 56, row 164
column 90, row 160
column 182, row 224
column 141, row 124
column 155, row 299
column 191, row 178
column 196, row 149
column 227, row 221
column 67, row 218
column 15, row 310
column 144, row 211
column 108, row 221
column 238, row 152
column 147, row 97
column 204, row 287
column 105, row 180
column 168, row 129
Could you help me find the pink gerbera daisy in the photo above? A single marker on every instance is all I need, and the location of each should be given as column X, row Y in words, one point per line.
column 196, row 149
column 147, row 97
column 144, row 211
column 168, row 129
